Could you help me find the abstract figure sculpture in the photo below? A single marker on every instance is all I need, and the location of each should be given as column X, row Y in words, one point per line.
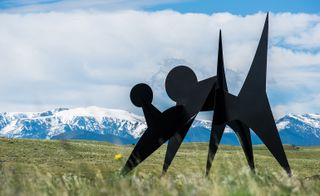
column 249, row 110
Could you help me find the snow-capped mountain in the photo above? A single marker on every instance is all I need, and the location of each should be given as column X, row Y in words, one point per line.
column 53, row 124
column 122, row 127
column 300, row 129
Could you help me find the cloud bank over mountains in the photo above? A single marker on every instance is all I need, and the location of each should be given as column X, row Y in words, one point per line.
column 81, row 58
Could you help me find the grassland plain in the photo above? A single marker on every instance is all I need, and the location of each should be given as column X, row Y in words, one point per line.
column 42, row 167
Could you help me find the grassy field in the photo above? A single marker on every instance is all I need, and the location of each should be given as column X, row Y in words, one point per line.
column 34, row 167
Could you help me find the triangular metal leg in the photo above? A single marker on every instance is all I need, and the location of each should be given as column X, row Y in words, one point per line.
column 215, row 138
column 173, row 146
column 243, row 133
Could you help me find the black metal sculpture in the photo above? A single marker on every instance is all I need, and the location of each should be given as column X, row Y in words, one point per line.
column 249, row 110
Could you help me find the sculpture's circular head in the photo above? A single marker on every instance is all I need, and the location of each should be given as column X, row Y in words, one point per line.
column 179, row 82
column 141, row 93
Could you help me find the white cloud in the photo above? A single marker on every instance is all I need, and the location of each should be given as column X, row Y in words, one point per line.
column 306, row 104
column 93, row 58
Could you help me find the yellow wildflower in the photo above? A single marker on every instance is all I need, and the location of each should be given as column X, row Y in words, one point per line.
column 118, row 157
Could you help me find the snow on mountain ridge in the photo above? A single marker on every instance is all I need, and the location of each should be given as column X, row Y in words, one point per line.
column 282, row 125
column 207, row 124
column 58, row 121
column 98, row 113
column 302, row 124
column 312, row 120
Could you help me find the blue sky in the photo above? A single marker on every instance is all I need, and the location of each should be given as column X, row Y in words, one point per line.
column 75, row 53
column 242, row 7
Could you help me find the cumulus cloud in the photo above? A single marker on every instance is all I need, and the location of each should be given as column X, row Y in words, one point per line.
column 82, row 58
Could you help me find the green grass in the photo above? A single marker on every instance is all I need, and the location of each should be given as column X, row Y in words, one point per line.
column 34, row 167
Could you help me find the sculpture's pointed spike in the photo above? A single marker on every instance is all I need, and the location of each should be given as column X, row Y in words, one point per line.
column 221, row 78
column 256, row 78
column 219, row 115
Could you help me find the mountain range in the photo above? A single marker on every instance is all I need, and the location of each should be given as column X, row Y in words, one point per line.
column 122, row 127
